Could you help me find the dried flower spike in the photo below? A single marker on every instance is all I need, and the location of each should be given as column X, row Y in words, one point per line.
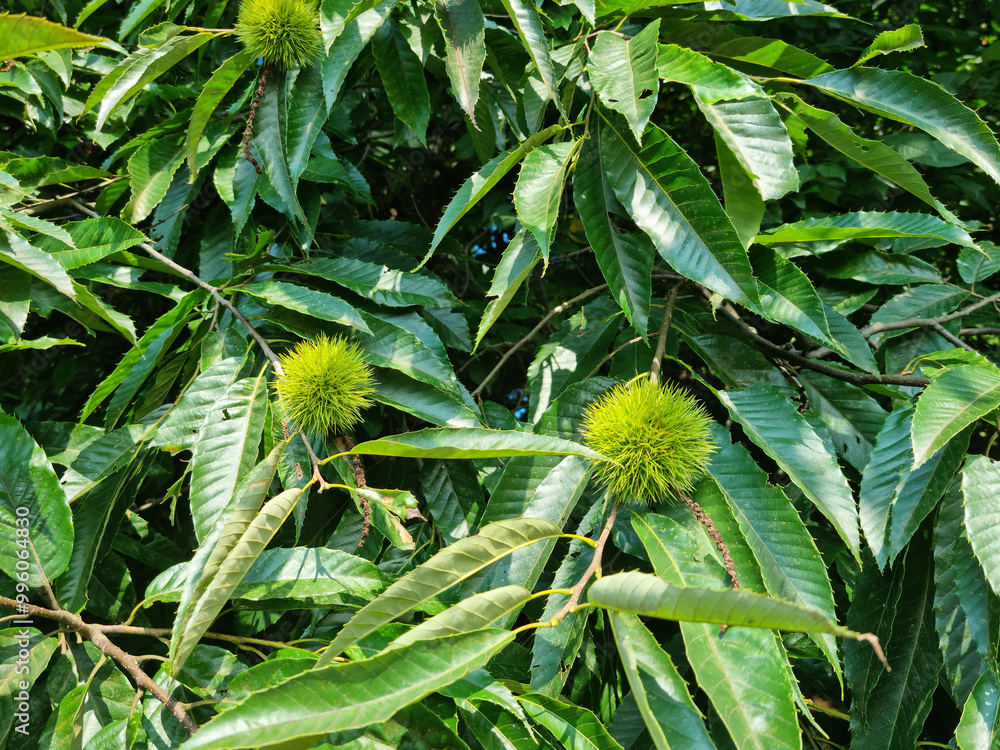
column 655, row 437
column 325, row 385
column 283, row 32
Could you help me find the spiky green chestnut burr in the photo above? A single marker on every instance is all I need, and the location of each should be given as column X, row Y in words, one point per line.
column 283, row 32
column 655, row 438
column 325, row 385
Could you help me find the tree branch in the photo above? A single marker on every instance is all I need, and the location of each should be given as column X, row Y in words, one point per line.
column 214, row 291
column 595, row 565
column 94, row 634
column 534, row 332
column 896, row 325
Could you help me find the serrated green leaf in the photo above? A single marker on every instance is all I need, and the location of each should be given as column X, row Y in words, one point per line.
column 305, row 114
column 20, row 253
column 270, row 139
column 474, row 188
column 307, row 301
column 915, row 101
column 453, row 496
column 519, row 258
column 979, row 726
column 673, row 720
column 866, row 225
column 745, row 672
column 743, row 203
column 382, row 285
column 137, row 71
column 576, row 727
column 32, row 502
column 353, row 35
column 152, row 167
column 787, row 296
column 903, row 39
column 179, row 431
column 474, row 613
column 26, row 35
column 232, row 571
column 226, row 449
column 532, row 34
column 949, row 404
column 790, row 563
column 402, row 75
column 757, row 137
column 980, row 486
column 924, row 301
column 93, row 240
column 471, row 442
column 464, row 29
column 650, row 596
column 774, row 425
column 310, row 706
column 667, row 196
column 772, row 53
column 874, row 155
column 449, row 566
column 218, row 86
column 626, row 260
column 623, row 72
column 539, row 189
column 962, row 606
column 715, row 82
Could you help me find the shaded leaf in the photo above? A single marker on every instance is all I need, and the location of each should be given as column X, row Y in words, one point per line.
column 951, row 403
column 464, row 30
column 980, row 486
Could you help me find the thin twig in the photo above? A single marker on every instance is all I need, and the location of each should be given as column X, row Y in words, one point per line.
column 214, row 291
column 951, row 337
column 62, row 200
column 594, row 567
column 165, row 632
column 896, row 325
column 534, row 332
column 857, row 378
column 661, row 344
column 94, row 634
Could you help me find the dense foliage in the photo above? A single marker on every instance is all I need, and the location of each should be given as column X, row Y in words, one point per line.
column 782, row 211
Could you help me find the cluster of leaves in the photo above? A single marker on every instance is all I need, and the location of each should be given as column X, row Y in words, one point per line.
column 509, row 208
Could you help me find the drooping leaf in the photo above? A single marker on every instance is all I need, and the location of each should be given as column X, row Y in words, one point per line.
column 152, row 167
column 449, row 566
column 903, row 39
column 21, row 254
column 624, row 75
column 787, row 296
column 474, row 188
column 915, row 101
column 270, row 140
column 532, row 34
column 464, row 29
column 34, row 512
column 668, row 197
column 745, row 672
column 232, row 571
column 949, row 404
column 226, row 449
column 218, row 86
column 520, row 257
column 980, row 484
column 403, row 77
column 93, row 240
column 774, row 425
column 875, row 155
column 26, row 35
column 310, row 706
column 538, row 194
column 742, row 200
column 963, row 611
column 626, row 260
column 673, row 720
column 757, row 137
column 715, row 82
column 471, row 443
column 790, row 563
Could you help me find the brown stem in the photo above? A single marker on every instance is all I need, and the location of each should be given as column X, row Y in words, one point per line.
column 214, row 291
column 594, row 567
column 94, row 634
column 661, row 343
